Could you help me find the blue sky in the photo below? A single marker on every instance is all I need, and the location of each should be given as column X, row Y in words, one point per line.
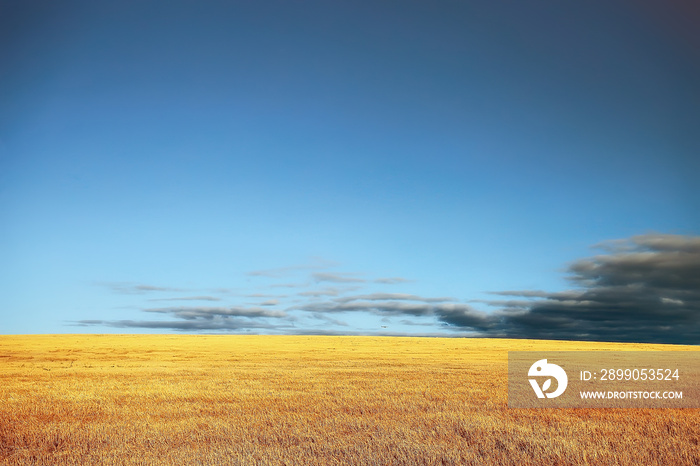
column 219, row 167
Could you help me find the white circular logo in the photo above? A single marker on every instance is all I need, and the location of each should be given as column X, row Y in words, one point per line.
column 542, row 369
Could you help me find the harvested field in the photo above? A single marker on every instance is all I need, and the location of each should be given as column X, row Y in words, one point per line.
column 176, row 399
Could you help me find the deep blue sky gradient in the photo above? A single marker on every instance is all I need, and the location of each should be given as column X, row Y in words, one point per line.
column 464, row 146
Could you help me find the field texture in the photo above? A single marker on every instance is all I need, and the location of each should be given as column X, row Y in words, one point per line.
column 132, row 399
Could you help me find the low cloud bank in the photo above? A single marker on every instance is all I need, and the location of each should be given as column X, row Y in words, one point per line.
column 642, row 289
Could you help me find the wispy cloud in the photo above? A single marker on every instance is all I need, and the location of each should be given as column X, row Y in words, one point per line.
column 289, row 285
column 458, row 314
column 205, row 318
column 279, row 272
column 190, row 313
column 266, row 295
column 330, row 291
column 416, row 324
column 188, row 298
column 133, row 288
column 328, row 320
column 642, row 289
column 188, row 325
column 392, row 280
column 337, row 278
column 522, row 293
column 392, row 297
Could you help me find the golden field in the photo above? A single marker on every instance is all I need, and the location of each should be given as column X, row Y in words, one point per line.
column 176, row 399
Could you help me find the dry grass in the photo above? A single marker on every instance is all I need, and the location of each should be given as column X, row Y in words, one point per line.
column 131, row 399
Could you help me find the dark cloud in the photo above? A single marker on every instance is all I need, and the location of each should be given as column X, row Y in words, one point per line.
column 220, row 324
column 457, row 314
column 383, row 333
column 375, row 307
column 205, row 318
column 410, row 322
column 644, row 289
column 507, row 303
column 193, row 313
